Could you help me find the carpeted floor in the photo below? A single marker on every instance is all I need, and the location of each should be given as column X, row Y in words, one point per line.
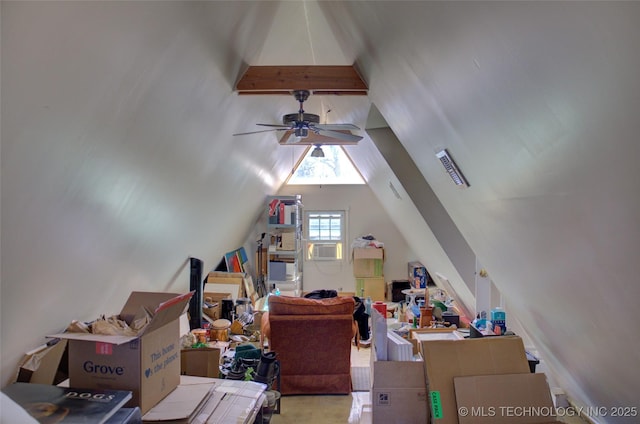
column 323, row 409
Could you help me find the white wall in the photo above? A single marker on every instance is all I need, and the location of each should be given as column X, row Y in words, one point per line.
column 365, row 216
column 117, row 164
column 537, row 102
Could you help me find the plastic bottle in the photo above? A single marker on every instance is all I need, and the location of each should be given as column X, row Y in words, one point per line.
column 367, row 306
column 408, row 315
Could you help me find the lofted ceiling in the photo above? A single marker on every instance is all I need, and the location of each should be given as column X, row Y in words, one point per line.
column 117, row 150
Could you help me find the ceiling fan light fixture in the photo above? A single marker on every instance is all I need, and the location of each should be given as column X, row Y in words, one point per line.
column 317, row 152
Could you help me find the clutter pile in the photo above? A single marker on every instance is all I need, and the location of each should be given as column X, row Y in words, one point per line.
column 366, row 241
column 494, row 326
column 102, row 353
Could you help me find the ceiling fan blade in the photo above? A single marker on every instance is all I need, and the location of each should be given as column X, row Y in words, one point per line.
column 275, row 127
column 339, row 135
column 279, row 126
column 336, row 127
column 293, row 139
column 256, row 132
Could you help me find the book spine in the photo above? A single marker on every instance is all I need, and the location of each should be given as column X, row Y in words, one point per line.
column 281, row 214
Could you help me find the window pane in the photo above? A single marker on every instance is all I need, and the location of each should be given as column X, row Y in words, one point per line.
column 325, row 227
column 334, row 168
column 314, row 227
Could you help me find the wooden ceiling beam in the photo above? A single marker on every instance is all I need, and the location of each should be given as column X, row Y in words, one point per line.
column 334, row 80
column 314, row 92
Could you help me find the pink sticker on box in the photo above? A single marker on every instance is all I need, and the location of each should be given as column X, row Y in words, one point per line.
column 104, row 348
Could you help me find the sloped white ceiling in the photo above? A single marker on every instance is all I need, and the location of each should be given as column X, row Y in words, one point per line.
column 117, row 154
column 535, row 101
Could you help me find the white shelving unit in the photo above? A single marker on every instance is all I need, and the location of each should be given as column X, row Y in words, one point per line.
column 284, row 244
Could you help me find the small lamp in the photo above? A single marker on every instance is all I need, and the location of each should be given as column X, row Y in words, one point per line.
column 317, row 152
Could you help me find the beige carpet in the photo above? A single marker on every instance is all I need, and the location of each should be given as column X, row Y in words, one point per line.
column 314, row 409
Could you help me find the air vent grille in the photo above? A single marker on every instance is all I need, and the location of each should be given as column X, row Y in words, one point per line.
column 451, row 168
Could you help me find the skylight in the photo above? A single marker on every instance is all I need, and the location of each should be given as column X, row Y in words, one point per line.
column 334, row 168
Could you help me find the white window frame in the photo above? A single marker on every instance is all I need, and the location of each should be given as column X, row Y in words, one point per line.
column 312, row 253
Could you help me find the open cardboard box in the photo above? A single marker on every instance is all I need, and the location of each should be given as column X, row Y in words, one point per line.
column 200, row 362
column 42, row 365
column 147, row 364
column 215, row 312
column 398, row 391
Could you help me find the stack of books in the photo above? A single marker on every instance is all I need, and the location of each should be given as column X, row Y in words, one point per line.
column 49, row 404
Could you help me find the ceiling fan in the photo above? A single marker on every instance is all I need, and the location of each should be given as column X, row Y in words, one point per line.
column 301, row 124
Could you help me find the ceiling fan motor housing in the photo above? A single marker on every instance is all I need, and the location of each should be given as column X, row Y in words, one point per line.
column 301, row 132
column 306, row 117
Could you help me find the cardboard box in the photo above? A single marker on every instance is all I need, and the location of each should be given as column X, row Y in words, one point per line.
column 375, row 288
column 200, row 362
column 147, row 364
column 42, row 365
column 417, row 275
column 446, row 359
column 504, row 399
column 215, row 298
column 368, row 253
column 368, row 262
column 398, row 392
